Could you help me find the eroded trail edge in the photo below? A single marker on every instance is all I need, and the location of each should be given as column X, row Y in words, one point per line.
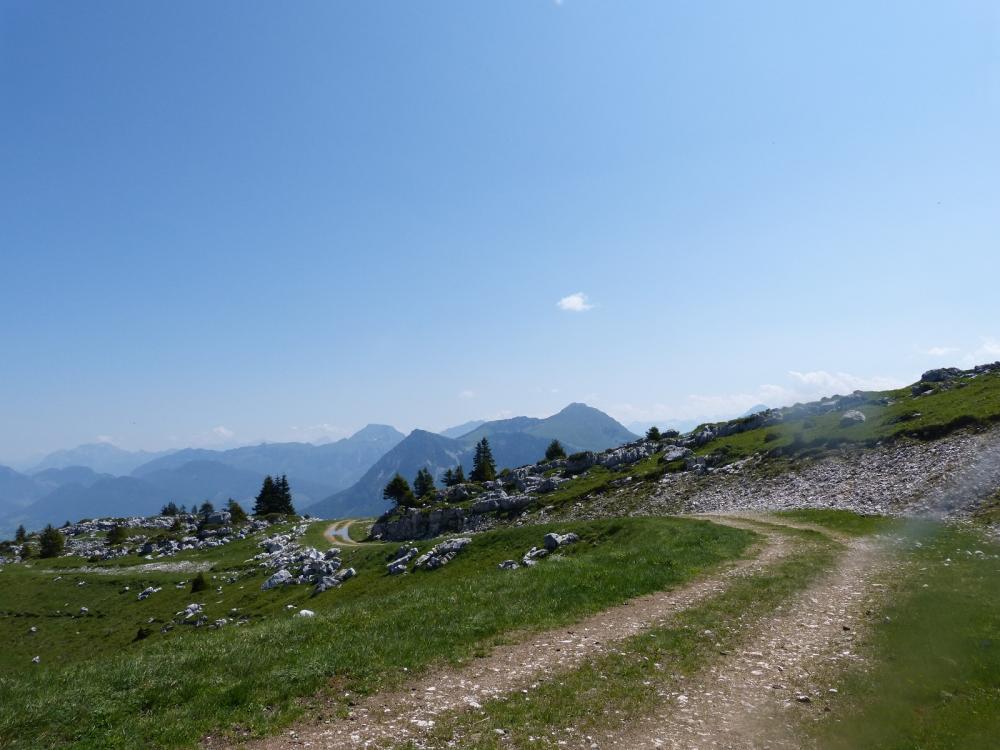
column 394, row 717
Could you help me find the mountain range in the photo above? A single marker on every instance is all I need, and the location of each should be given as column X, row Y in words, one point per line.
column 336, row 479
column 514, row 442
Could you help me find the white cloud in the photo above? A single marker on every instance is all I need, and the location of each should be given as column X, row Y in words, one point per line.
column 105, row 439
column 466, row 394
column 988, row 351
column 939, row 351
column 576, row 302
column 223, row 432
column 803, row 387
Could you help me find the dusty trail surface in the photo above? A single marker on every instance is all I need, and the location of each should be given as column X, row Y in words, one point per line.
column 339, row 533
column 758, row 696
column 390, row 718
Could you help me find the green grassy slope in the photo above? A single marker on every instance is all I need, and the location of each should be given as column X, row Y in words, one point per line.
column 934, row 679
column 96, row 688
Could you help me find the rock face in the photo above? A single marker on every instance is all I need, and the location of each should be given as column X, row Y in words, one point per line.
column 852, row 417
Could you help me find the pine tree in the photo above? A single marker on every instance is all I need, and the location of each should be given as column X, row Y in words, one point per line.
column 116, row 535
column 653, row 433
column 484, row 468
column 51, row 542
column 398, row 490
column 284, row 496
column 170, row 509
column 21, row 536
column 554, row 451
column 236, row 512
column 264, row 502
column 198, row 583
column 206, row 509
column 459, row 475
column 448, row 478
column 423, row 484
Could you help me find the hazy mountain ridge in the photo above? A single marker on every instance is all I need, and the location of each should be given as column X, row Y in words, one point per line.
column 514, row 442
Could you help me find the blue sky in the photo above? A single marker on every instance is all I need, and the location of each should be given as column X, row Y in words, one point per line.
column 228, row 222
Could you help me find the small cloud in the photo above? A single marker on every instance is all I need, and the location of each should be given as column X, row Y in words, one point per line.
column 105, row 439
column 939, row 351
column 988, row 351
column 223, row 432
column 466, row 394
column 577, row 302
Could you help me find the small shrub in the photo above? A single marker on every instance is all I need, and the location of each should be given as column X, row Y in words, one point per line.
column 198, row 583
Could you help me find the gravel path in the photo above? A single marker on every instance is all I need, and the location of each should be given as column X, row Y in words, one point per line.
column 391, row 718
column 338, row 533
column 759, row 695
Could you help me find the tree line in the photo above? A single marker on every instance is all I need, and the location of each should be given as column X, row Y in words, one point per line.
column 484, row 469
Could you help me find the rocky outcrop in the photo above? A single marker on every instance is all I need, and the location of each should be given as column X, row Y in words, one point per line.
column 414, row 523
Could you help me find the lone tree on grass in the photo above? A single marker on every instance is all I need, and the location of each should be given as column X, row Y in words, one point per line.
column 275, row 497
column 398, row 490
column 116, row 535
column 484, row 468
column 51, row 542
column 554, row 451
column 423, row 484
column 653, row 433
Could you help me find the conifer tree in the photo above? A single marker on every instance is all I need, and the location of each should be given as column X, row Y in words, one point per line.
column 116, row 535
column 236, row 512
column 653, row 433
column 484, row 468
column 423, row 484
column 21, row 536
column 265, row 498
column 459, row 474
column 554, row 451
column 448, row 478
column 398, row 490
column 51, row 542
column 206, row 508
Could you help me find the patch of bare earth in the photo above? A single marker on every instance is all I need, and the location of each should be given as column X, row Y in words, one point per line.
column 759, row 695
column 390, row 718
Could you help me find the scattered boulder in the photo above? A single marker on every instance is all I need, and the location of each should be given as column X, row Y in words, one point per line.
column 305, row 613
column 509, row 565
column 147, row 592
column 402, row 559
column 281, row 578
column 533, row 555
column 442, row 554
column 554, row 541
column 331, row 582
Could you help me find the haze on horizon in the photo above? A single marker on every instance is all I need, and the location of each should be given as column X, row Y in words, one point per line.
column 223, row 227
